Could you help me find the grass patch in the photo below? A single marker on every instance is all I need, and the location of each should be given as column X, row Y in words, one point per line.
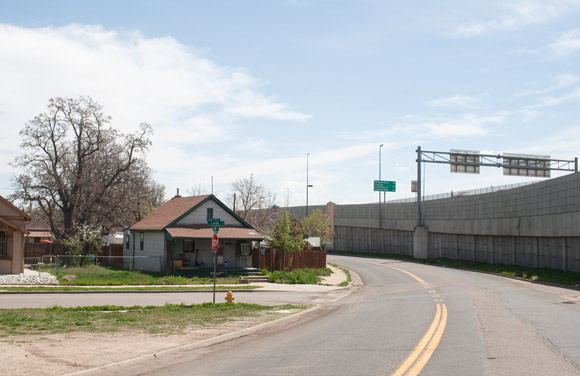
column 299, row 276
column 93, row 275
column 168, row 319
column 525, row 272
column 535, row 274
column 345, row 271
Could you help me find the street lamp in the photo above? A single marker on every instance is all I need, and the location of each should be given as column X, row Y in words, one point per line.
column 307, row 185
column 380, row 211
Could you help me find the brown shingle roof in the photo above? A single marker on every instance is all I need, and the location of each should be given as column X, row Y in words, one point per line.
column 207, row 233
column 168, row 212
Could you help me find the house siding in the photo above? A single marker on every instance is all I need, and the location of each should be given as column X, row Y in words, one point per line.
column 199, row 216
column 153, row 249
column 13, row 262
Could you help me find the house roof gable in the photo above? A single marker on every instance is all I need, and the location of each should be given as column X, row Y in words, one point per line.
column 164, row 215
column 11, row 207
column 174, row 210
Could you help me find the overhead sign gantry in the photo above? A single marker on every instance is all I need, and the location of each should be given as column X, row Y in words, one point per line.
column 470, row 162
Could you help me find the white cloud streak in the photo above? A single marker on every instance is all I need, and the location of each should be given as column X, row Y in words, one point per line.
column 567, row 43
column 461, row 101
column 518, row 14
column 553, row 101
column 467, row 126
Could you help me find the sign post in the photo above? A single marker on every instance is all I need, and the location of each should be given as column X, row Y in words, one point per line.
column 215, row 223
column 214, row 248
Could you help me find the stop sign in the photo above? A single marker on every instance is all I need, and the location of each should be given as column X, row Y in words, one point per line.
column 214, row 243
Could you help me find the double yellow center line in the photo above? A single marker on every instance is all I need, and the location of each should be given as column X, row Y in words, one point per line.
column 426, row 347
column 417, row 360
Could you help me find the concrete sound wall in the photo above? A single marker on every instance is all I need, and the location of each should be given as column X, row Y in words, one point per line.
column 536, row 225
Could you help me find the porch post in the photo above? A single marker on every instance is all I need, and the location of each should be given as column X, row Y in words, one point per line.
column 173, row 256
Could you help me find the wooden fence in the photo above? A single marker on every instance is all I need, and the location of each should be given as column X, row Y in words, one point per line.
column 275, row 259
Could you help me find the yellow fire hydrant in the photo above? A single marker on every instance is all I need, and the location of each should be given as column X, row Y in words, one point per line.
column 230, row 297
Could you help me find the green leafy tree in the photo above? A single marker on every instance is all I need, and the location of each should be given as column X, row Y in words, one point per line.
column 316, row 225
column 86, row 243
column 287, row 235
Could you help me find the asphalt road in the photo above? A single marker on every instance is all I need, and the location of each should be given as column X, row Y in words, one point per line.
column 406, row 319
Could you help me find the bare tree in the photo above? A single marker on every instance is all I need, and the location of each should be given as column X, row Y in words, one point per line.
column 253, row 203
column 196, row 190
column 78, row 170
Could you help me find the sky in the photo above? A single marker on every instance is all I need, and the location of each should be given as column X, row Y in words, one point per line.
column 277, row 90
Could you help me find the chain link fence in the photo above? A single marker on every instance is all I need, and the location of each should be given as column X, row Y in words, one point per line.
column 92, row 264
column 470, row 192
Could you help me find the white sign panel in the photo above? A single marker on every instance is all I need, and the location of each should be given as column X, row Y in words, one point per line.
column 526, row 165
column 464, row 161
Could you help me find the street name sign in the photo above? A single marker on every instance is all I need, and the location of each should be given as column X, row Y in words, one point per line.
column 215, row 222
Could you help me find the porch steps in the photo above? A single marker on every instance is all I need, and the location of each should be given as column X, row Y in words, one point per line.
column 255, row 278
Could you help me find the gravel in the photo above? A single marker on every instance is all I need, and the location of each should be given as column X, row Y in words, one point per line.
column 29, row 277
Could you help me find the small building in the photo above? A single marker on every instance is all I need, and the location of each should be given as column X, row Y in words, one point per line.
column 177, row 236
column 39, row 231
column 12, row 232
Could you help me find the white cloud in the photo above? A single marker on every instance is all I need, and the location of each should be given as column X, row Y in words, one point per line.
column 524, row 51
column 463, row 101
column 553, row 101
column 516, row 15
column 567, row 43
column 154, row 76
column 564, row 143
column 188, row 99
column 467, row 126
column 559, row 82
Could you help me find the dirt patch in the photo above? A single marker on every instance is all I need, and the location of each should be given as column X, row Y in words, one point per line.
column 57, row 354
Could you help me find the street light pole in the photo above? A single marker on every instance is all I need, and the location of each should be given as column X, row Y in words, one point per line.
column 380, row 209
column 307, row 184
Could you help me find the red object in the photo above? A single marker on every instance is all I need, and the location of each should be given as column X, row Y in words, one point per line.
column 46, row 241
column 214, row 243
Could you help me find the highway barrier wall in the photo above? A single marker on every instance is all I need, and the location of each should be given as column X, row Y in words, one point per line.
column 536, row 225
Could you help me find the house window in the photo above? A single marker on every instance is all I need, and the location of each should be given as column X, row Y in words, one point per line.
column 127, row 241
column 141, row 240
column 209, row 213
column 3, row 247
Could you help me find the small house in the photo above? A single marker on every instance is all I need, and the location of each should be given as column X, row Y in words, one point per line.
column 39, row 231
column 12, row 231
column 177, row 236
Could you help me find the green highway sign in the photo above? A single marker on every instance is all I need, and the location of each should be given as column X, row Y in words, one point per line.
column 216, row 229
column 385, row 186
column 215, row 222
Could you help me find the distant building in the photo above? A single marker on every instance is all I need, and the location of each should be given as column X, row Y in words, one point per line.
column 38, row 231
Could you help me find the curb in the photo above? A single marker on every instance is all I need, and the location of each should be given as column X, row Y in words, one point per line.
column 191, row 346
column 117, row 291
